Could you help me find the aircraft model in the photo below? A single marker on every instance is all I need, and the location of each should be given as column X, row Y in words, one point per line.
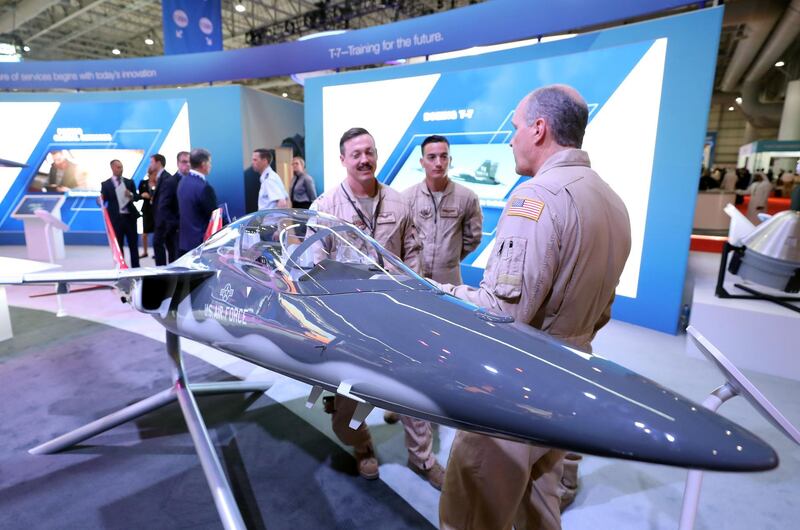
column 483, row 174
column 312, row 297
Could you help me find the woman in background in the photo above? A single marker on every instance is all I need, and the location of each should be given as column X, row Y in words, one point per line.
column 147, row 188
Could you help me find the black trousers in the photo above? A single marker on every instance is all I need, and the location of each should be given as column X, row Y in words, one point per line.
column 125, row 228
column 165, row 244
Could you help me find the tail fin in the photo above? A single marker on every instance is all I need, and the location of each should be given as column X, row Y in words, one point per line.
column 215, row 224
column 116, row 253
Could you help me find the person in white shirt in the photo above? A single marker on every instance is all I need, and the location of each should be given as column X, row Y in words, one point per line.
column 758, row 191
column 729, row 180
column 272, row 193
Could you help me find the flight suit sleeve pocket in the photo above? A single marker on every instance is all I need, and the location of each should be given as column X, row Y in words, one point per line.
column 510, row 268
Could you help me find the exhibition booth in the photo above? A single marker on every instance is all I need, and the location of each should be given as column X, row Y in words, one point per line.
column 85, row 131
column 645, row 126
column 763, row 155
column 270, row 311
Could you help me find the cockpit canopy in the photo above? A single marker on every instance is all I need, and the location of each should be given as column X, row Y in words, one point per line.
column 307, row 252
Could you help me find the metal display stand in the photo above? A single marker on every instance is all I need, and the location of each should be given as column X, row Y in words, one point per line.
column 737, row 384
column 184, row 392
column 721, row 292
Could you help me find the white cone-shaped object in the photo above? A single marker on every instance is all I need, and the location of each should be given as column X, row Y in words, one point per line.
column 740, row 225
column 778, row 237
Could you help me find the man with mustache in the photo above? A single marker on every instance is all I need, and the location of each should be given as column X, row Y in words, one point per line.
column 382, row 213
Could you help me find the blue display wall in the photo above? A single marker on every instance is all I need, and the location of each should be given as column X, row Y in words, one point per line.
column 130, row 126
column 648, row 86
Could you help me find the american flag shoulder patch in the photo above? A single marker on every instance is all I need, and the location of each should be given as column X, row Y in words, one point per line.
column 526, row 207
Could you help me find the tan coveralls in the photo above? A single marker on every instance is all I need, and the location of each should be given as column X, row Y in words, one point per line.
column 557, row 271
column 394, row 230
column 449, row 230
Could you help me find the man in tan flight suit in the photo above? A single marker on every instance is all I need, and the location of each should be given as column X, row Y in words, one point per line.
column 562, row 242
column 380, row 212
column 447, row 215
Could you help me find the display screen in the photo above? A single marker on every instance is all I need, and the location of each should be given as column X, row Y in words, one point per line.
column 68, row 146
column 30, row 204
column 66, row 170
column 473, row 109
column 486, row 169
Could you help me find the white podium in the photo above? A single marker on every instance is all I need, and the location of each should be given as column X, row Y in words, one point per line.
column 44, row 234
column 709, row 213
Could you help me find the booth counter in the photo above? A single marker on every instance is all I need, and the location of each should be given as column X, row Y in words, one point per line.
column 709, row 214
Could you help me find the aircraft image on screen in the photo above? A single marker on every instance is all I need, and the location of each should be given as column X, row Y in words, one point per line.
column 70, row 170
column 312, row 297
column 483, row 174
column 486, row 169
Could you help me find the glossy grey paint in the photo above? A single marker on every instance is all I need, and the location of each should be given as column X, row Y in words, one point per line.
column 420, row 352
column 430, row 355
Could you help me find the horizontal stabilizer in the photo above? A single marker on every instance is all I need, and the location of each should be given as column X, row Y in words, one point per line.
column 111, row 276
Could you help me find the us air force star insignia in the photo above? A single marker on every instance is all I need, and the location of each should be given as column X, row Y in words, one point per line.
column 226, row 292
column 526, row 207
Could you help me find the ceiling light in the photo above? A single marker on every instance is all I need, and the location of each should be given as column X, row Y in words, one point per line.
column 240, row 8
column 779, row 64
column 149, row 41
column 285, row 95
column 730, row 108
column 26, row 48
column 116, row 51
column 738, row 101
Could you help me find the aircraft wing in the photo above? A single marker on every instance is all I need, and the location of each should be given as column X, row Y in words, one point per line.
column 11, row 163
column 122, row 278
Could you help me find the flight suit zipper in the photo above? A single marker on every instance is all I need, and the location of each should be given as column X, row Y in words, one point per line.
column 435, row 232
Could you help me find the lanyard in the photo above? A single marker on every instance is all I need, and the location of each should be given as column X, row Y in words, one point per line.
column 370, row 226
column 435, row 206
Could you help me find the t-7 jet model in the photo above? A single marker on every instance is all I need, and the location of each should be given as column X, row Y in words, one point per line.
column 311, row 297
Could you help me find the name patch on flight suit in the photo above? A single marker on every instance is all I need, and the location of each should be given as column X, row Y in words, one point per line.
column 386, row 218
column 525, row 207
column 449, row 212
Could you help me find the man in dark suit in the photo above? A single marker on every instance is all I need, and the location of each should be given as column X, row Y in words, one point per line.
column 118, row 194
column 252, row 183
column 165, row 211
column 197, row 200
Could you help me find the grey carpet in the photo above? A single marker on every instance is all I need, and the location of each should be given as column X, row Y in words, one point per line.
column 59, row 373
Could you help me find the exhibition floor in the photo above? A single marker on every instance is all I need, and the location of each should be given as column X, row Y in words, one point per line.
column 287, row 468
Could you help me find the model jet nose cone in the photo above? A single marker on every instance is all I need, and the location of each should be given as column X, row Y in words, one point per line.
column 595, row 406
column 508, row 380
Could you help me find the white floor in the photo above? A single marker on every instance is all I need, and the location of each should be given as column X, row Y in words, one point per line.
column 615, row 494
